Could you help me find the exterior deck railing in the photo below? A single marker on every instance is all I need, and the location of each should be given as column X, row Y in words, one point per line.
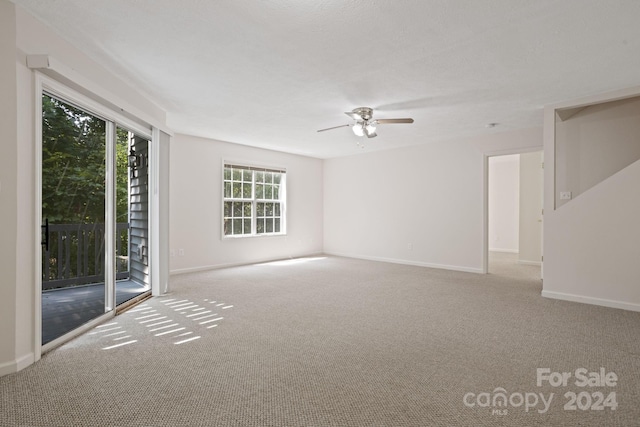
column 75, row 255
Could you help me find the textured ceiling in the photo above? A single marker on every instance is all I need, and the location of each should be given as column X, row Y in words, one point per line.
column 270, row 73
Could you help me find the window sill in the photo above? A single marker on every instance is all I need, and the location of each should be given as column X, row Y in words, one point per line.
column 249, row 236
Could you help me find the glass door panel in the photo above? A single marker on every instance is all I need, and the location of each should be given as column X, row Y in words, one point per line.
column 73, row 212
column 132, row 216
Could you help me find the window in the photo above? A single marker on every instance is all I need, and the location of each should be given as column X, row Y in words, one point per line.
column 254, row 201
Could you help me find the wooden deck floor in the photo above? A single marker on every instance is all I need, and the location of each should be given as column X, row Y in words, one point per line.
column 63, row 310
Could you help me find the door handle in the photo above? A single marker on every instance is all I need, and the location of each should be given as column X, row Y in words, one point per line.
column 45, row 228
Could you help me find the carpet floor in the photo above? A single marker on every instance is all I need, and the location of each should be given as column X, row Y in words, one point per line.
column 332, row 341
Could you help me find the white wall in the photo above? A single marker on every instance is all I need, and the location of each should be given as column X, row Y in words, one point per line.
column 34, row 38
column 595, row 143
column 531, row 184
column 504, row 203
column 591, row 248
column 420, row 205
column 20, row 35
column 196, row 206
column 8, row 188
column 592, row 245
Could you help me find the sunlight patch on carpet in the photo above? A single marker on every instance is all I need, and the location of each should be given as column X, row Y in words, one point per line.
column 174, row 324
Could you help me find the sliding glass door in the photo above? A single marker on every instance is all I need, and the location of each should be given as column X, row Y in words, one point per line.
column 92, row 260
column 74, row 146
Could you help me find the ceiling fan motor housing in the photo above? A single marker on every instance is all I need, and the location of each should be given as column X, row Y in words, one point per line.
column 365, row 112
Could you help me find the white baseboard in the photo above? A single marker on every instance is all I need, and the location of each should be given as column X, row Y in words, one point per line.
column 16, row 365
column 525, row 262
column 201, row 268
column 408, row 262
column 237, row 264
column 506, row 251
column 381, row 259
column 591, row 300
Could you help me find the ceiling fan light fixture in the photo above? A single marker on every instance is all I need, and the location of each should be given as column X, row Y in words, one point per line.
column 358, row 129
column 370, row 130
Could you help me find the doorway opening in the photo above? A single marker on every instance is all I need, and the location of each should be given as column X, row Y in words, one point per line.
column 514, row 214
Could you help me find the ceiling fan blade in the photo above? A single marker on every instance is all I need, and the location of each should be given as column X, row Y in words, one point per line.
column 335, row 127
column 389, row 121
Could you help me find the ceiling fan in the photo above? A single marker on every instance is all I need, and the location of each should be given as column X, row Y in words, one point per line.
column 365, row 123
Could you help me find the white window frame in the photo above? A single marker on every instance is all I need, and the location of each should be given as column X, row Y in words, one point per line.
column 253, row 200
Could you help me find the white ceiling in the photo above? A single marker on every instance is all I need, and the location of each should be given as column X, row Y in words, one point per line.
column 269, row 73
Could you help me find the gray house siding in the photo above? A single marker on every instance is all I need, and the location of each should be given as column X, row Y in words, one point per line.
column 139, row 215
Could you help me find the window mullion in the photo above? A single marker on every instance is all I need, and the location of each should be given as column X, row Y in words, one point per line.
column 253, row 203
column 253, row 218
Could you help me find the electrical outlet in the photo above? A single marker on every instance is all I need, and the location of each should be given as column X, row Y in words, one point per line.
column 410, row 246
column 180, row 252
column 565, row 195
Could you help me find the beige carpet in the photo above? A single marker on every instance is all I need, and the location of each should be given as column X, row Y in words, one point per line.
column 337, row 342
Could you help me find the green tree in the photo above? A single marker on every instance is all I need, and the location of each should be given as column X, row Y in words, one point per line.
column 73, row 180
column 73, row 164
column 122, row 177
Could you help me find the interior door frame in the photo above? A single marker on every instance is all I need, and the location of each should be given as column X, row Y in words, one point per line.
column 485, row 189
column 46, row 84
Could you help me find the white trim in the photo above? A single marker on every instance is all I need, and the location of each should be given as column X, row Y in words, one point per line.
column 251, row 164
column 159, row 152
column 407, row 262
column 110, row 217
column 591, row 300
column 17, row 364
column 485, row 213
column 69, row 95
column 221, row 199
column 239, row 264
column 534, row 263
column 515, row 150
column 504, row 250
column 37, row 333
column 153, row 157
column 24, row 361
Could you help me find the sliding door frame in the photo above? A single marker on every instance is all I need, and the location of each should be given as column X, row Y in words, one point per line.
column 48, row 85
